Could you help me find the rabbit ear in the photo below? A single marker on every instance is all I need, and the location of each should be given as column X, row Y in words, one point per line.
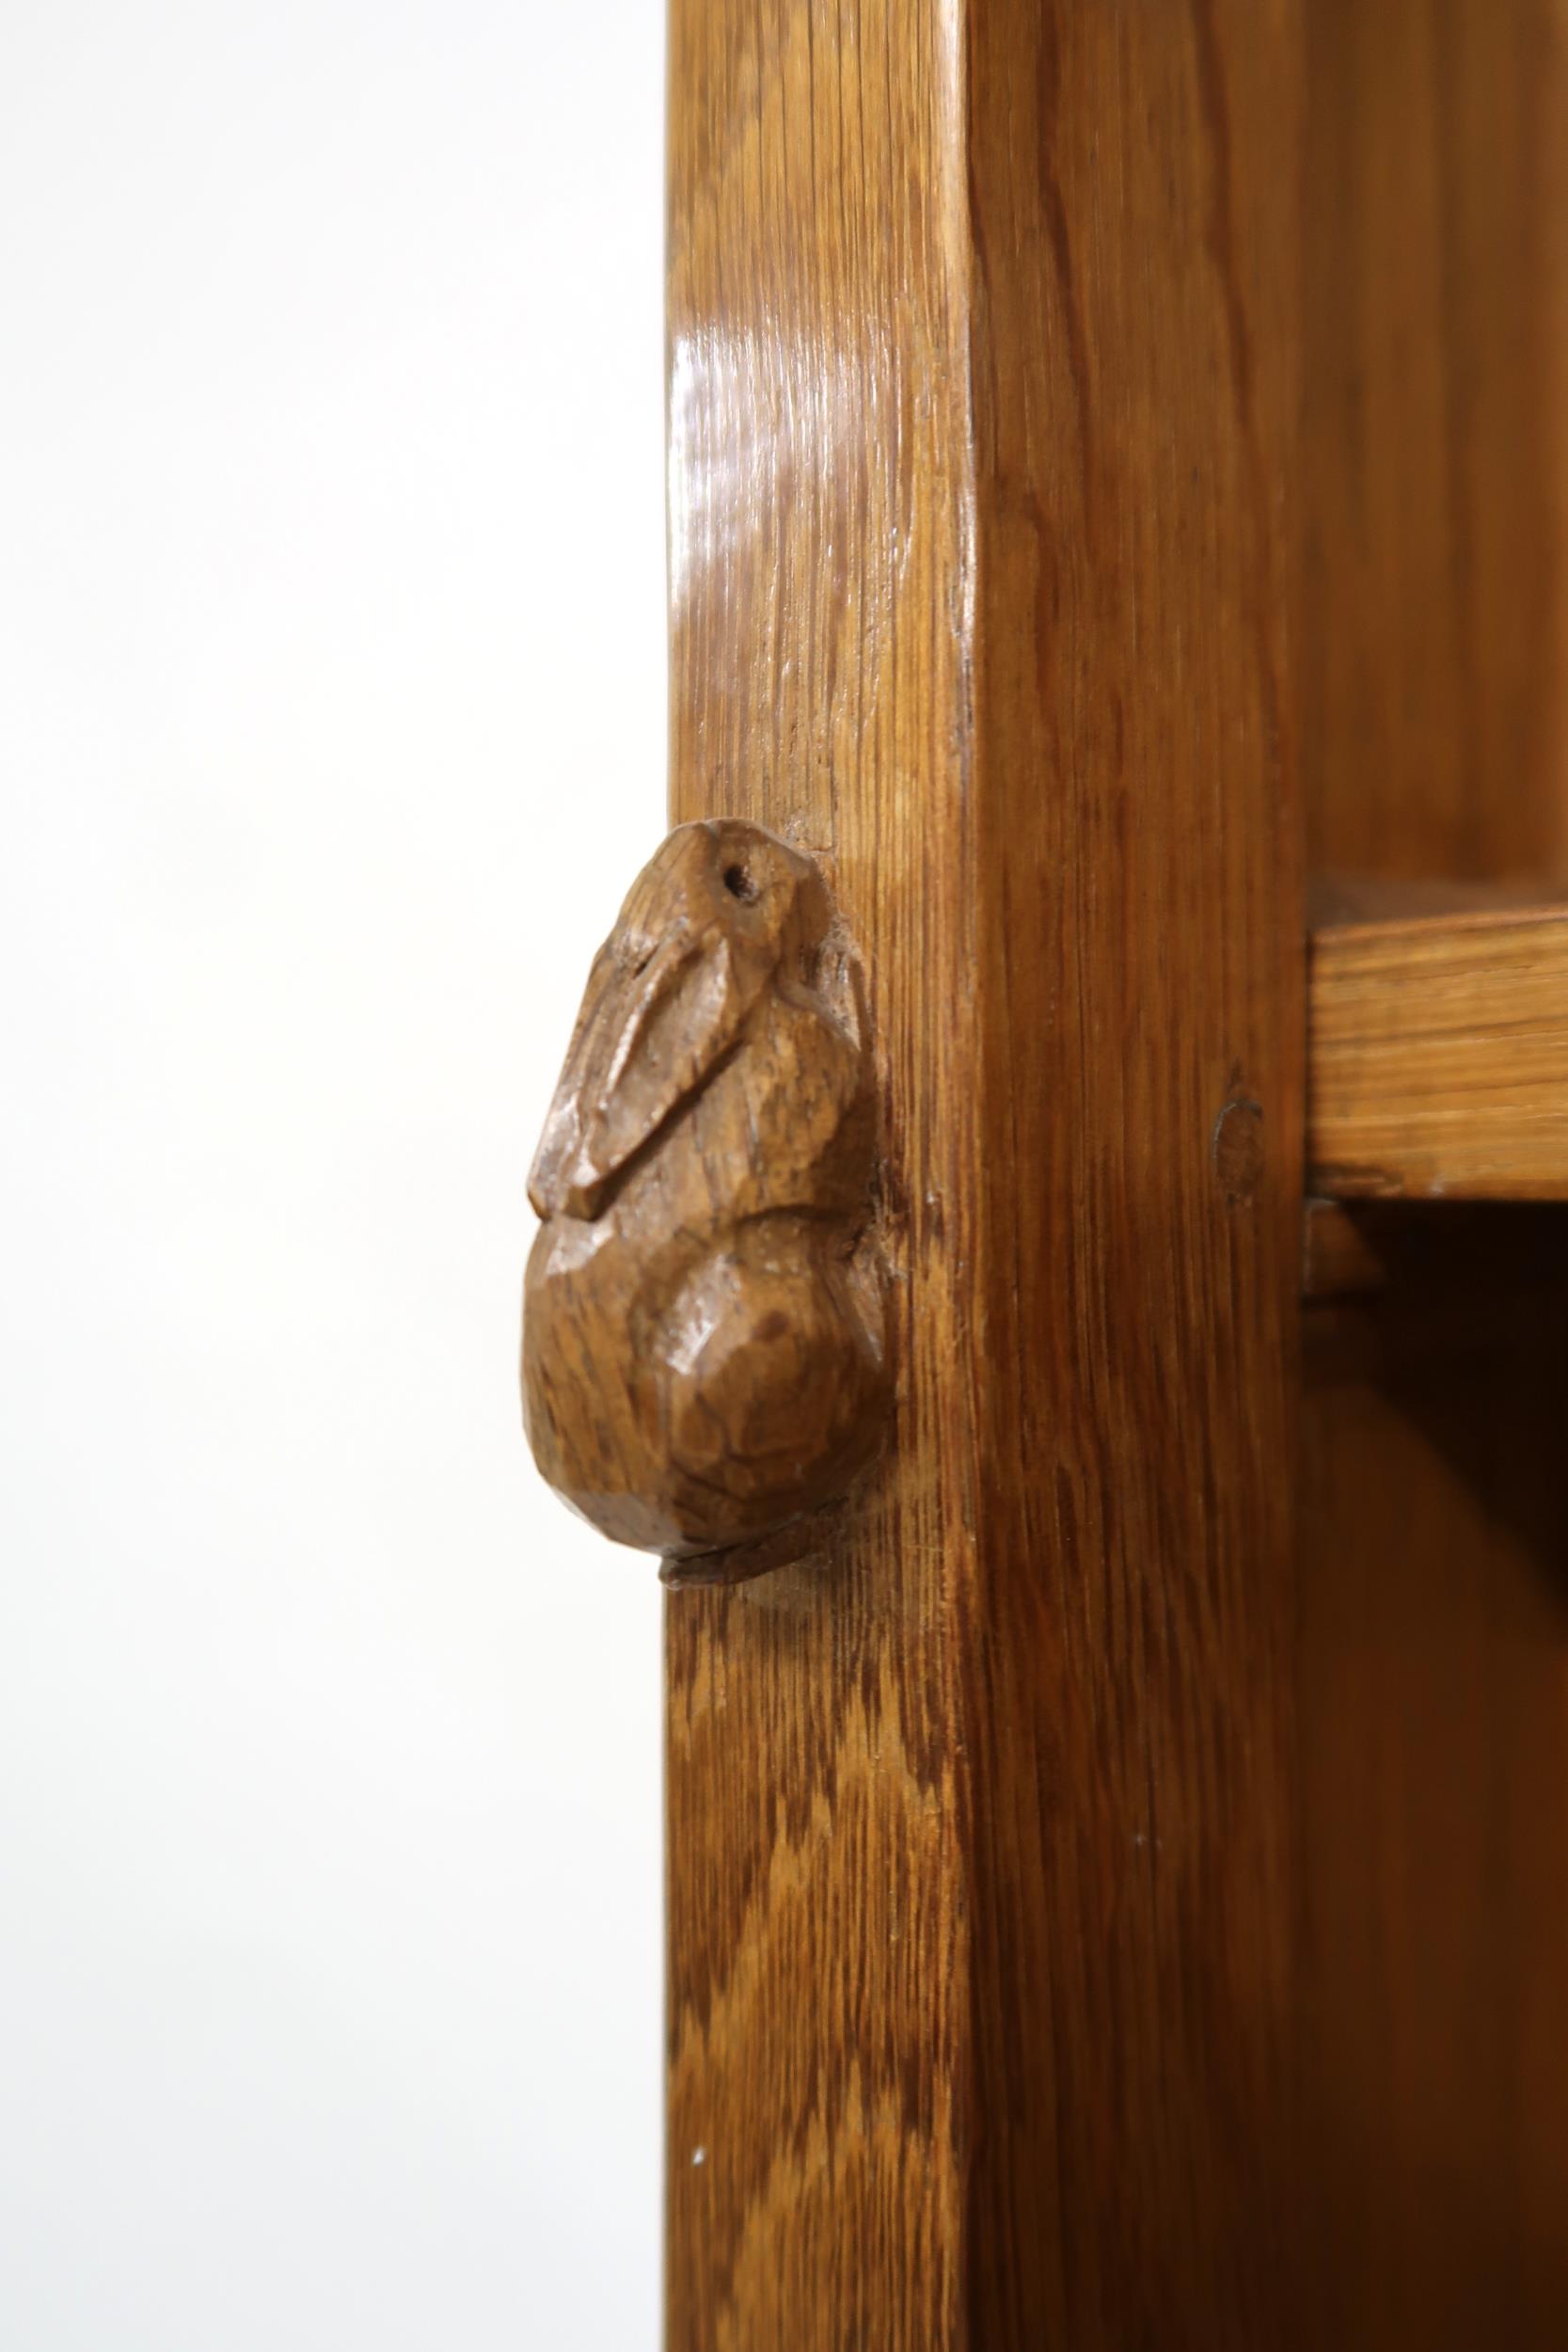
column 644, row 1043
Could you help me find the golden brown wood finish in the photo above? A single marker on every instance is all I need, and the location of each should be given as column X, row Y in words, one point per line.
column 1436, row 696
column 980, row 1881
column 1437, row 1060
column 703, row 1360
column 1434, row 1633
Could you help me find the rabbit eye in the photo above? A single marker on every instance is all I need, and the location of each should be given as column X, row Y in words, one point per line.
column 739, row 884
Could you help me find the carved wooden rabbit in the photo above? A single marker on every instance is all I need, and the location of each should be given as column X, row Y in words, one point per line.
column 701, row 1332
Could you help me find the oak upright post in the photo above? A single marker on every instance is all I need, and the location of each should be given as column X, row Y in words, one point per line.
column 981, row 402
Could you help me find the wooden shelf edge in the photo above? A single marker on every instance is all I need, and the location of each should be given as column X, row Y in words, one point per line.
column 1437, row 1060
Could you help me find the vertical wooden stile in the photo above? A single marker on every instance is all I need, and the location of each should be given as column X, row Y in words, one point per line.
column 982, row 1895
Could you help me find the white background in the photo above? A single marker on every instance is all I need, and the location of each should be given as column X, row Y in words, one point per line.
column 331, row 733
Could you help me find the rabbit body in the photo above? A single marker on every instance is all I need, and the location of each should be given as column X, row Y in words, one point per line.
column 701, row 1339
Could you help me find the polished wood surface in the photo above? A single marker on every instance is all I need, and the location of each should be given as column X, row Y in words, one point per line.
column 981, row 1861
column 1435, row 473
column 1433, row 1662
column 1437, row 1053
column 702, row 1348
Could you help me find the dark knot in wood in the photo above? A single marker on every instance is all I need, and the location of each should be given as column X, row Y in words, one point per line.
column 703, row 1355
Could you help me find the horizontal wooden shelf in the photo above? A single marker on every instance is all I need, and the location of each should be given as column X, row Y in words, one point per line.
column 1438, row 1045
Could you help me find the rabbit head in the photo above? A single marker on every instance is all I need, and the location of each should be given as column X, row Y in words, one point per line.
column 719, row 911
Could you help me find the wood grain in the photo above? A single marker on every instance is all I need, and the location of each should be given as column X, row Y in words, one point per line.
column 980, row 1879
column 1435, row 705
column 1437, row 1055
column 1434, row 1666
column 703, row 1352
